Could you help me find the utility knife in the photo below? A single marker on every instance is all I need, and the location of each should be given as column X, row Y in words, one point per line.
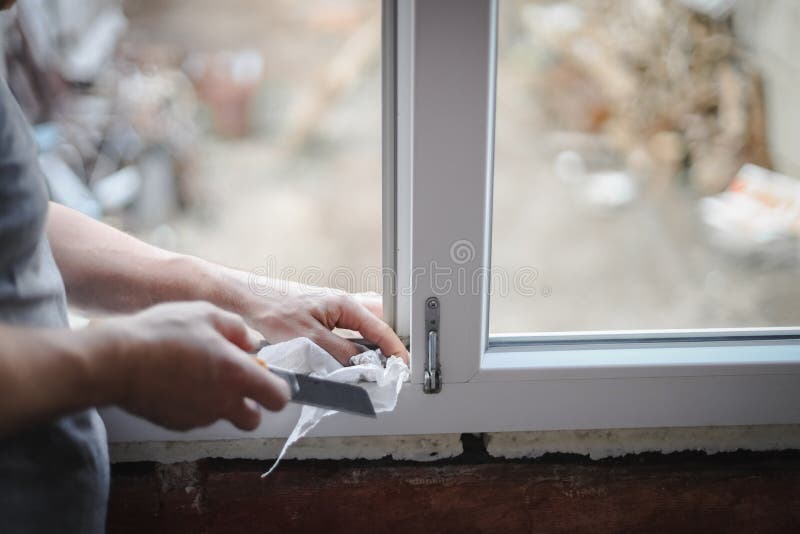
column 324, row 393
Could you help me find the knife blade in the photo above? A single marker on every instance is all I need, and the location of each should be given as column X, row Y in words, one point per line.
column 325, row 393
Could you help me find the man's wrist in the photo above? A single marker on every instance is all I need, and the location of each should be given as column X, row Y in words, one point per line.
column 191, row 278
column 242, row 292
column 222, row 286
column 106, row 367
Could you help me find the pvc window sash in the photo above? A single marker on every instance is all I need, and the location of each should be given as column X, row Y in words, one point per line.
column 453, row 124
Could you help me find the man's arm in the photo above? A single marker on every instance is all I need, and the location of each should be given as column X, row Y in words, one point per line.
column 105, row 269
column 180, row 365
column 47, row 373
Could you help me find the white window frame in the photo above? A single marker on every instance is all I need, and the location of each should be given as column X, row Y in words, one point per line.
column 439, row 78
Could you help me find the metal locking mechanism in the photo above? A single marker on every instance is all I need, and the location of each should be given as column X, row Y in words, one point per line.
column 433, row 372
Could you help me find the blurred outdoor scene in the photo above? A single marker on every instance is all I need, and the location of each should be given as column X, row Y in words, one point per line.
column 245, row 132
column 634, row 143
column 637, row 146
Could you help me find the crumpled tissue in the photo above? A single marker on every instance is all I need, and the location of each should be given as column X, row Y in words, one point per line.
column 302, row 355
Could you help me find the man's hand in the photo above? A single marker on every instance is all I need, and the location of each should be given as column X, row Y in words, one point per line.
column 283, row 310
column 185, row 365
column 180, row 365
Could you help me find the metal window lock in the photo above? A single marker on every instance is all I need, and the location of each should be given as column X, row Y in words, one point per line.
column 433, row 371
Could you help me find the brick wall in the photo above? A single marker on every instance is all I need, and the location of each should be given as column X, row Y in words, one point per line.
column 687, row 492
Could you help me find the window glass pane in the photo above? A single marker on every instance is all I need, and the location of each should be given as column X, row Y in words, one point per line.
column 646, row 165
column 251, row 129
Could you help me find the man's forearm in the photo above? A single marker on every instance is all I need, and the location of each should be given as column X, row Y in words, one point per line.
column 110, row 271
column 47, row 373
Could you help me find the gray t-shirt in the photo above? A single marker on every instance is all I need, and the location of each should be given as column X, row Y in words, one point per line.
column 54, row 477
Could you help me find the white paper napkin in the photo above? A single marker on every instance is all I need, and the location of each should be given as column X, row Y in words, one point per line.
column 302, row 355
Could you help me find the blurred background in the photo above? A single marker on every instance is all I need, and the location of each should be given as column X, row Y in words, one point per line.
column 645, row 169
column 245, row 132
column 633, row 147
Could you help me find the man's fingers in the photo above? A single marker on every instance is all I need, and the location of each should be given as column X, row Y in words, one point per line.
column 268, row 389
column 356, row 317
column 235, row 330
column 337, row 346
column 371, row 301
column 246, row 415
